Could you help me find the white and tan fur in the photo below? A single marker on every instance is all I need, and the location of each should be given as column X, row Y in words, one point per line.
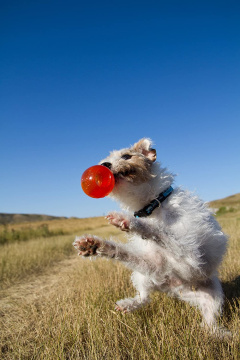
column 177, row 249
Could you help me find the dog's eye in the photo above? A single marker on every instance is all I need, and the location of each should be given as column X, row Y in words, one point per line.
column 126, row 157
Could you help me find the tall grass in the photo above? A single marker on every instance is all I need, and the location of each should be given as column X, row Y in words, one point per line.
column 20, row 260
column 71, row 315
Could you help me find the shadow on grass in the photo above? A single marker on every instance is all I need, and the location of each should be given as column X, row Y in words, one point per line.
column 231, row 291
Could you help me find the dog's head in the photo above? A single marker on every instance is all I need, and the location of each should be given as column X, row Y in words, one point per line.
column 132, row 165
column 139, row 178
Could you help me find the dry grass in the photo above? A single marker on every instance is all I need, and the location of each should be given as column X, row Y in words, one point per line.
column 65, row 309
column 10, row 233
column 18, row 260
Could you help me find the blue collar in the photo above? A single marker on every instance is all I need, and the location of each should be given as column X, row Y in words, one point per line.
column 148, row 209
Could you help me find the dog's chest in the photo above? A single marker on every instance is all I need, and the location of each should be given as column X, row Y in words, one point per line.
column 147, row 249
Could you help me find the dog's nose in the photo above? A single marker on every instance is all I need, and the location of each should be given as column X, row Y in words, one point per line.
column 107, row 164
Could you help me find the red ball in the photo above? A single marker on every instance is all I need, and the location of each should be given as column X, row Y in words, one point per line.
column 97, row 181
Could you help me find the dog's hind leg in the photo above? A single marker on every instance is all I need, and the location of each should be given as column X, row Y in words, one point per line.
column 208, row 298
column 89, row 245
column 144, row 287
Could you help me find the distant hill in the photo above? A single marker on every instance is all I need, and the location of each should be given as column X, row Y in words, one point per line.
column 230, row 201
column 228, row 204
column 21, row 218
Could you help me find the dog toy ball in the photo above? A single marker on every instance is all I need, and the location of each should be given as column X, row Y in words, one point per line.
column 97, row 181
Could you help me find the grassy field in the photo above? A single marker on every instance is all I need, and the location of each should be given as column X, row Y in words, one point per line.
column 55, row 305
column 10, row 233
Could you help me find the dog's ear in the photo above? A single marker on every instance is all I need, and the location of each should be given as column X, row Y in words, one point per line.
column 144, row 147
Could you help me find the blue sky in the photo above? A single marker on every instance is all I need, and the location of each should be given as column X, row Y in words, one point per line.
column 79, row 79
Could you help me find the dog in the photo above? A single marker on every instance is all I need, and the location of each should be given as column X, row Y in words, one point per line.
column 175, row 243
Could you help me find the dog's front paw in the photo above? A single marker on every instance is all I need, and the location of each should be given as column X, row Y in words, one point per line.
column 87, row 245
column 118, row 220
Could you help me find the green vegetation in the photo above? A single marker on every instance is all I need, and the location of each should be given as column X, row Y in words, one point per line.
column 26, row 233
column 223, row 210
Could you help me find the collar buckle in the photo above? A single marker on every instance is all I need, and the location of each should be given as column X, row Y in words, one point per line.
column 148, row 209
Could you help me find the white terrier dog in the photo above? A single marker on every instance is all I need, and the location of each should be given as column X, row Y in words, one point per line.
column 175, row 244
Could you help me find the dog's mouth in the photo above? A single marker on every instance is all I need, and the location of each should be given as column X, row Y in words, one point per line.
column 134, row 174
column 127, row 174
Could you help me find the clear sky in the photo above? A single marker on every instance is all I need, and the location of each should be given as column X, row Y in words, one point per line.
column 81, row 78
